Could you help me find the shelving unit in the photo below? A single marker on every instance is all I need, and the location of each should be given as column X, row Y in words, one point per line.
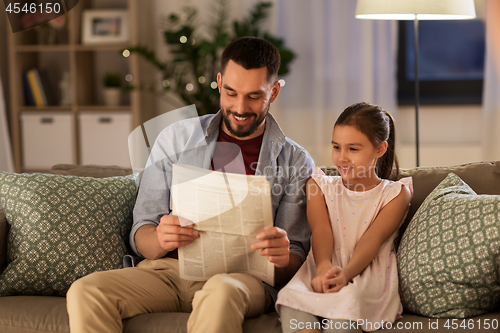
column 86, row 64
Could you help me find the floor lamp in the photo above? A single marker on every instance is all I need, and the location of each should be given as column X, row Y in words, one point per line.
column 415, row 10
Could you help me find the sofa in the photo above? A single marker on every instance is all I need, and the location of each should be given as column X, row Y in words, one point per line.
column 48, row 313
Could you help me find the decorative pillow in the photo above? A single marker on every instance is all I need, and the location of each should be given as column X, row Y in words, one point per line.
column 62, row 228
column 448, row 256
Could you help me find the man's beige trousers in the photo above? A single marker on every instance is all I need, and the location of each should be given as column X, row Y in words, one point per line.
column 98, row 302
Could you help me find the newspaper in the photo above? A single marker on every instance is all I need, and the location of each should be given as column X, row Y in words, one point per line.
column 228, row 210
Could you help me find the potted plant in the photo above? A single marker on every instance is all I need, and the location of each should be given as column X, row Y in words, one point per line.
column 112, row 89
column 195, row 49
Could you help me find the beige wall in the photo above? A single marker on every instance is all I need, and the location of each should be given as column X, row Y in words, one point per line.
column 448, row 135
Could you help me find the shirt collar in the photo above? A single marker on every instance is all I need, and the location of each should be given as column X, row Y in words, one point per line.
column 214, row 124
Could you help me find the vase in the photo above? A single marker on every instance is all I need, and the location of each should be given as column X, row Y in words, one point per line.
column 112, row 96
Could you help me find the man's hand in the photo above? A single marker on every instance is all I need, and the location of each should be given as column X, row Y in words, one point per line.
column 274, row 244
column 171, row 235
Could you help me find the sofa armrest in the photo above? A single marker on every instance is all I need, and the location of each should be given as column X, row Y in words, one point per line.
column 4, row 230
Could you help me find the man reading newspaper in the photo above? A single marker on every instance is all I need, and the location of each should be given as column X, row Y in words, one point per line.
column 228, row 210
column 248, row 85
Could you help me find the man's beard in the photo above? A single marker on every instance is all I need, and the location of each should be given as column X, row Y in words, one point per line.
column 239, row 131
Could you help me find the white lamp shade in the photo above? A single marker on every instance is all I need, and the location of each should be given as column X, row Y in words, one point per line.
column 407, row 9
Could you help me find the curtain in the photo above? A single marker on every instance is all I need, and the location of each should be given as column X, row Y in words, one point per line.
column 340, row 60
column 6, row 161
column 491, row 88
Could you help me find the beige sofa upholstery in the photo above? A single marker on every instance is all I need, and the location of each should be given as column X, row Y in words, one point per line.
column 48, row 314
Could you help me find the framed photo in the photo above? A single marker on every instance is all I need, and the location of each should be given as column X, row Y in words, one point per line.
column 105, row 27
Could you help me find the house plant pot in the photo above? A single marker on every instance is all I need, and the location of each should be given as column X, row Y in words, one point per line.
column 112, row 91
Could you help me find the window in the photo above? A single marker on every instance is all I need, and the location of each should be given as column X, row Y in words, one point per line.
column 451, row 62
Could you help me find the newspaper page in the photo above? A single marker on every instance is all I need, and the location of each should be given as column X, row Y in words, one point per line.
column 228, row 210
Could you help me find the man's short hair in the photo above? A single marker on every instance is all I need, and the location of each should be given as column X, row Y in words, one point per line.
column 252, row 53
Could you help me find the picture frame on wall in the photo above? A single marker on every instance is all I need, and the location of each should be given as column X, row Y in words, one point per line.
column 105, row 27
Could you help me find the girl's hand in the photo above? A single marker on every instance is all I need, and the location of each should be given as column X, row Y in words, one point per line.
column 334, row 280
column 317, row 281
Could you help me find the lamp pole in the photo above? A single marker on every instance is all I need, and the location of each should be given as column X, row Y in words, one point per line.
column 417, row 87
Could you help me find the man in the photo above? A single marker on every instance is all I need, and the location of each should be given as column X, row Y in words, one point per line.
column 248, row 85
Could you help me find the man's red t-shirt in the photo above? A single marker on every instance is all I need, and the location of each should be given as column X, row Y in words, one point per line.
column 224, row 158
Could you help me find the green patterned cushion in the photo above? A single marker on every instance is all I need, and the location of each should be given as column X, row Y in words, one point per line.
column 448, row 256
column 62, row 228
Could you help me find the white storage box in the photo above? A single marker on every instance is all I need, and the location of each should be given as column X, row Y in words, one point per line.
column 48, row 139
column 104, row 138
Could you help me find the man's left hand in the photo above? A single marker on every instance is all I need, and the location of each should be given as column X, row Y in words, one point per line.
column 274, row 244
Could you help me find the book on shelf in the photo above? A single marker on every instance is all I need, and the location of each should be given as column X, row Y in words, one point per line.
column 37, row 88
column 30, row 101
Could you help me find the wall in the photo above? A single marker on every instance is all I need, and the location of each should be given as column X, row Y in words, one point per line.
column 448, row 135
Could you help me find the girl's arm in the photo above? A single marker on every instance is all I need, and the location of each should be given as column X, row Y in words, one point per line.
column 386, row 222
column 322, row 237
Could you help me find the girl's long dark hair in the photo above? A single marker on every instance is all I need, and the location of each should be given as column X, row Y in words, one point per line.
column 378, row 125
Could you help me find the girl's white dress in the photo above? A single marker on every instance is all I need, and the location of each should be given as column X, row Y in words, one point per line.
column 372, row 296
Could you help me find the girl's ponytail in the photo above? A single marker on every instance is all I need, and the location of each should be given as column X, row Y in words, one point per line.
column 388, row 165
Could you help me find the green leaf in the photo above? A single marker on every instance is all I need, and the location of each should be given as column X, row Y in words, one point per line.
column 173, row 18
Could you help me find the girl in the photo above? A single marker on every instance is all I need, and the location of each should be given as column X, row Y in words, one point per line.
column 349, row 281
